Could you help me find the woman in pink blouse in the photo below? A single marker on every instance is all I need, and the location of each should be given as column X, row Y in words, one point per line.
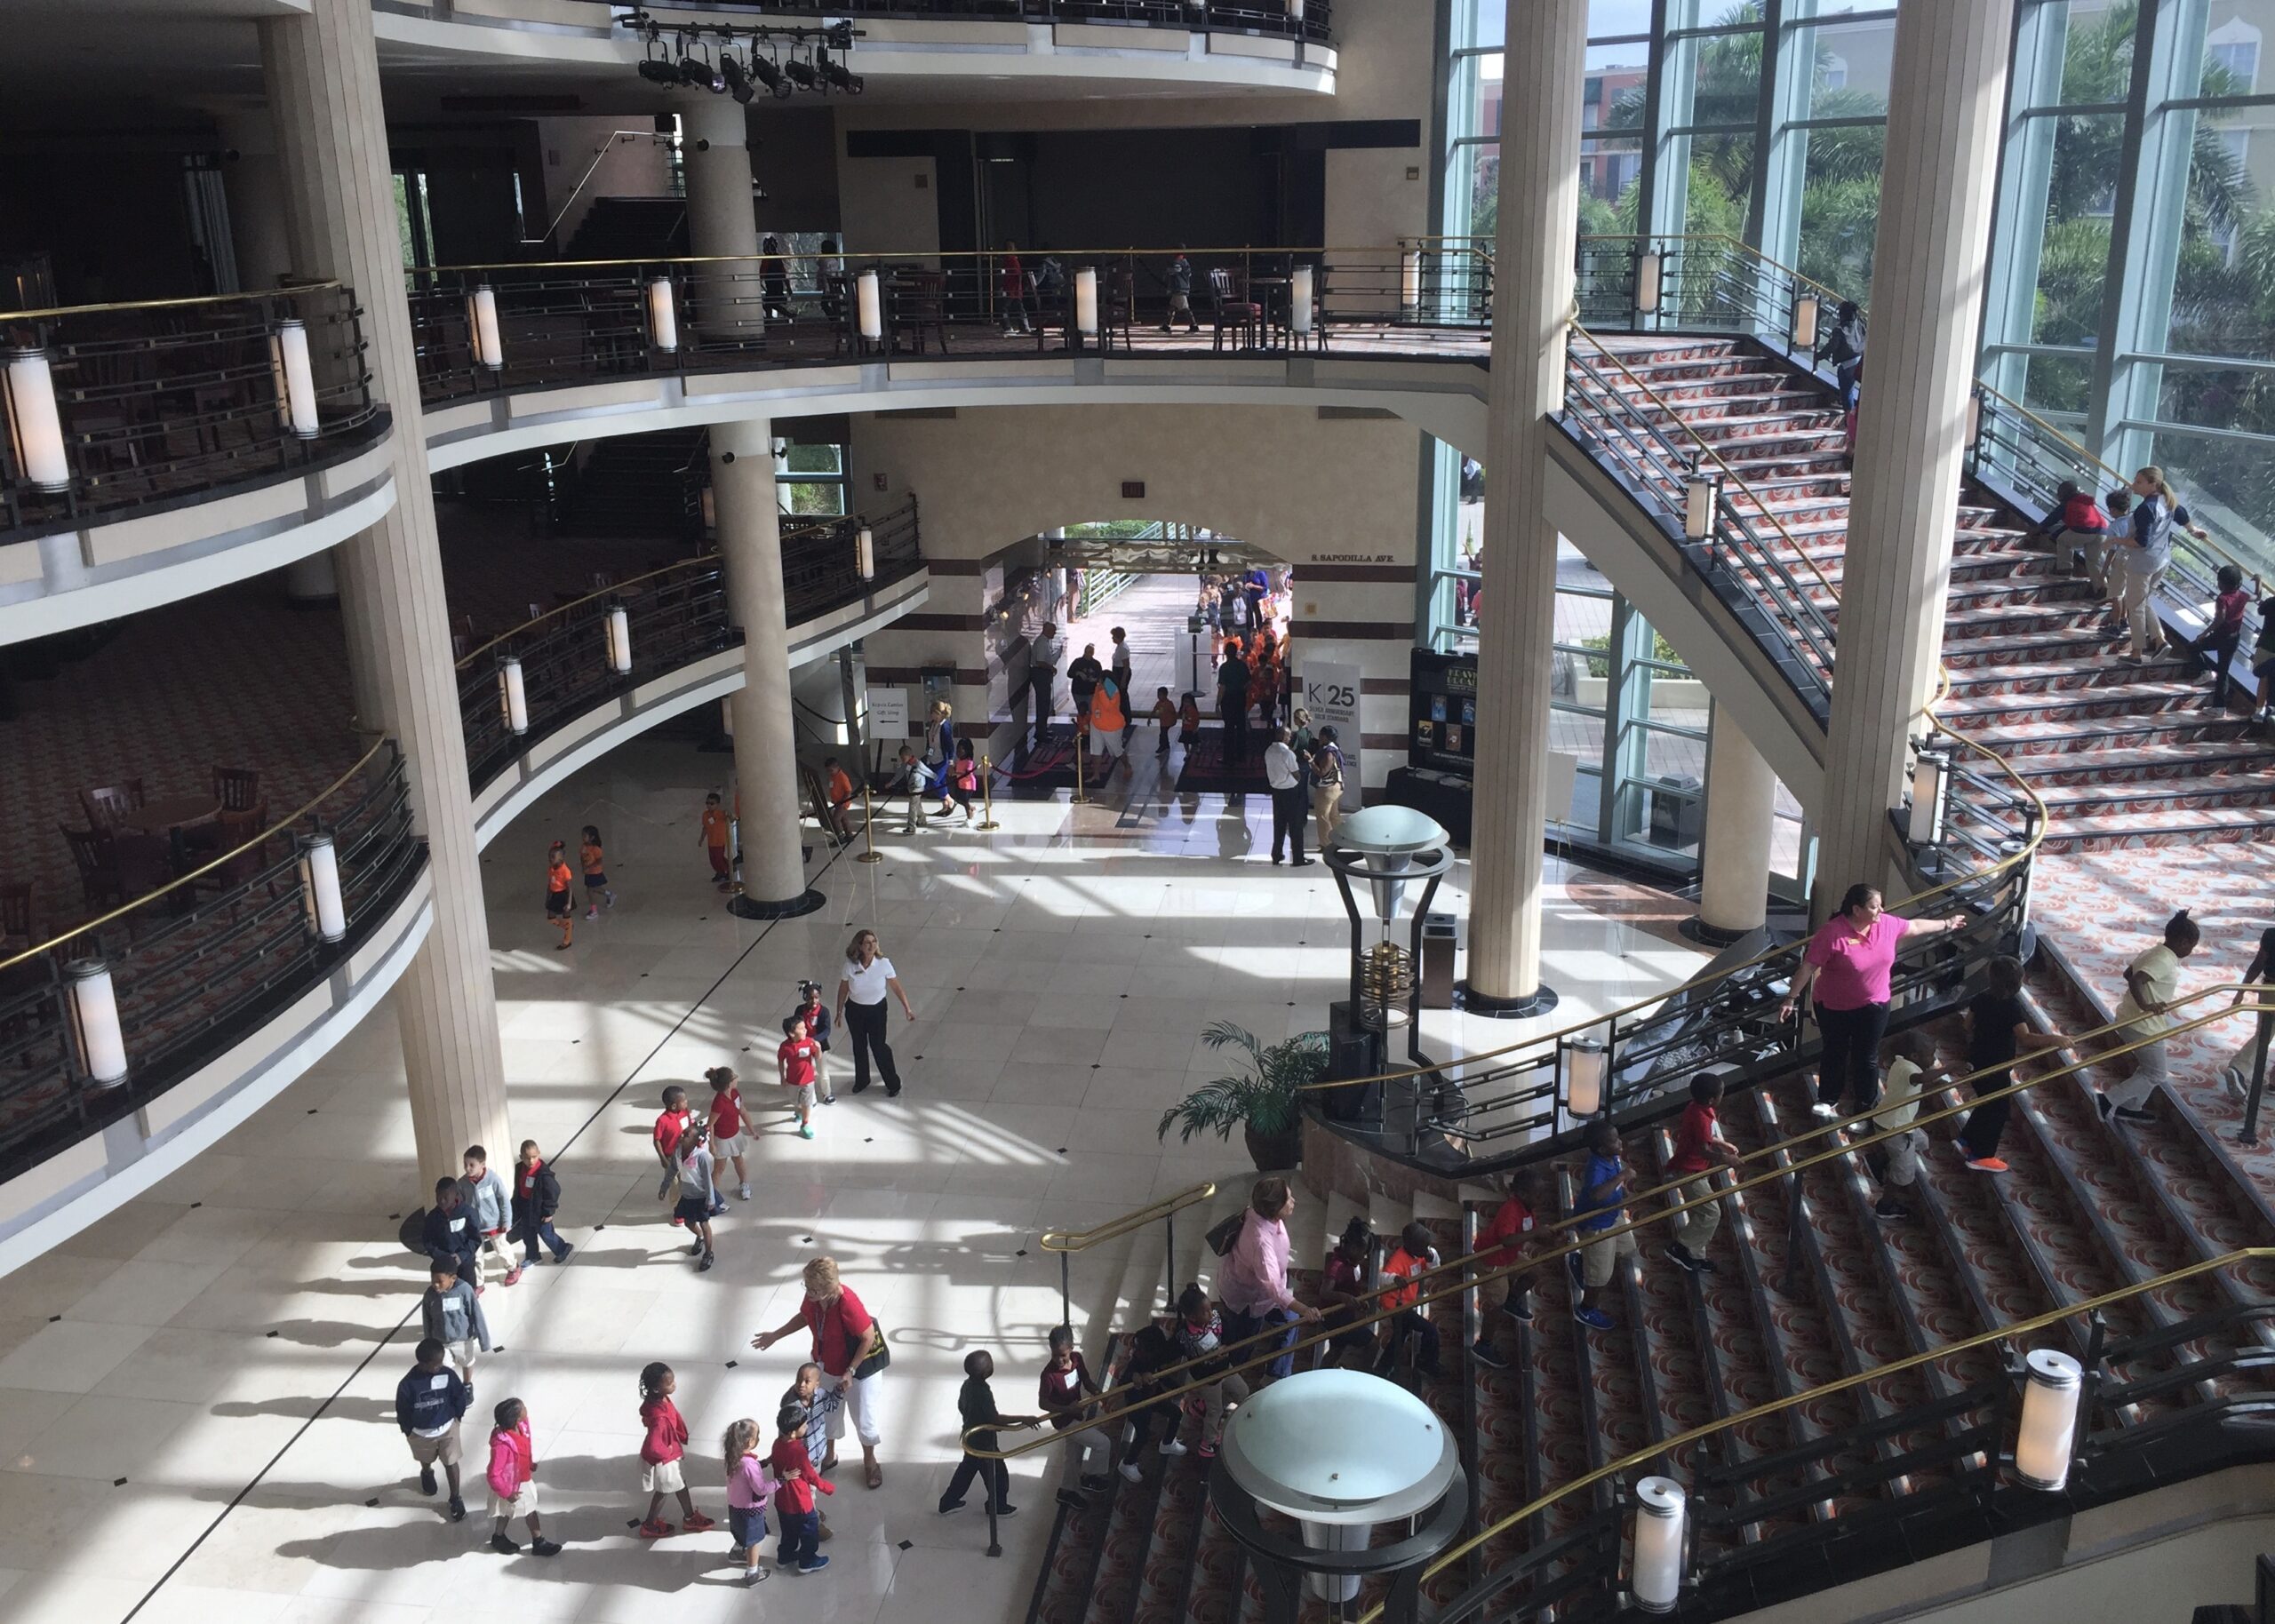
column 1253, row 1284
column 1849, row 962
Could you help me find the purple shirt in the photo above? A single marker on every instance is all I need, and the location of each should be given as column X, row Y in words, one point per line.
column 1852, row 965
column 1254, row 1275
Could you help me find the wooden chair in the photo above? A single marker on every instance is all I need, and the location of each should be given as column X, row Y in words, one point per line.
column 142, row 863
column 1118, row 312
column 16, row 932
column 96, row 880
column 919, row 305
column 1231, row 306
column 237, row 788
column 106, row 804
column 225, row 833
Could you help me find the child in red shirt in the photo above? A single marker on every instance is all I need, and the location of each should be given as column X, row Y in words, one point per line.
column 594, row 861
column 1415, row 1256
column 1699, row 1148
column 513, row 1486
column 1501, row 1243
column 2225, row 635
column 669, row 1128
column 794, row 1497
column 728, row 1127
column 1343, row 1298
column 663, row 1441
column 713, row 836
column 798, row 1056
column 557, row 906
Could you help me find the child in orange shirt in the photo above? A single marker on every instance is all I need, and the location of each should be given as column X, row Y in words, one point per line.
column 595, row 866
column 1164, row 716
column 556, row 894
column 1188, row 723
column 713, row 836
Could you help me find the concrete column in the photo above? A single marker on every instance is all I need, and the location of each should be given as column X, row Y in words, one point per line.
column 323, row 90
column 1545, row 61
column 252, row 180
column 750, row 548
column 1734, row 856
column 720, row 218
column 1946, row 88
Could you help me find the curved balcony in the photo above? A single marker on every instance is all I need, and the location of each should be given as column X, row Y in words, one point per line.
column 567, row 686
column 135, row 1039
column 161, row 448
column 519, row 355
column 1199, row 46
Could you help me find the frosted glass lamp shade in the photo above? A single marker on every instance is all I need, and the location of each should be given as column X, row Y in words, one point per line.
column 481, row 327
column 1299, row 299
column 1086, row 301
column 865, row 554
column 1409, row 280
column 296, row 384
column 319, row 889
column 663, row 315
column 1701, row 493
column 1806, row 312
column 96, row 1036
column 35, row 428
column 1651, row 271
column 1584, row 1074
column 513, row 699
column 618, row 629
column 2052, row 1386
column 1931, row 778
column 869, row 305
column 1661, row 1511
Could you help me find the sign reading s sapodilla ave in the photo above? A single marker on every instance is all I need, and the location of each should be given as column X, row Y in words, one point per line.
column 1332, row 695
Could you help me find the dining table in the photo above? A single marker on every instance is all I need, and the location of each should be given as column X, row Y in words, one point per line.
column 170, row 813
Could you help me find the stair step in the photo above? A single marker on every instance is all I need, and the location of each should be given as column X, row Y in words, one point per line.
column 2112, row 700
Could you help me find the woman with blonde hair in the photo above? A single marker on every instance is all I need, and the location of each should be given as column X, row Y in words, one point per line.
column 849, row 1344
column 866, row 978
column 2154, row 515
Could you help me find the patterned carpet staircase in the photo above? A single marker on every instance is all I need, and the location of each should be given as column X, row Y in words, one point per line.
column 2124, row 755
column 1809, row 1285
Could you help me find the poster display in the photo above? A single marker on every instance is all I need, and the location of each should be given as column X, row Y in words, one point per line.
column 1332, row 695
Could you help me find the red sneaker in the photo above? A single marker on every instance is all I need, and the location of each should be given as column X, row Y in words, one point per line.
column 655, row 1529
column 695, row 1522
column 679, row 1223
column 1988, row 1163
column 512, row 1275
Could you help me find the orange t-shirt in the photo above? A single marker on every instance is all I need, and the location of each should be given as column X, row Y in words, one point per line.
column 557, row 877
column 840, row 787
column 590, row 855
column 714, row 828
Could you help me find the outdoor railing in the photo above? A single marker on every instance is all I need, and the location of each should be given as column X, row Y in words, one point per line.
column 524, row 684
column 103, row 1019
column 116, row 408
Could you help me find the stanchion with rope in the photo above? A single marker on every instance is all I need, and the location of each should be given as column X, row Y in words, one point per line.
column 868, row 829
column 986, row 796
column 1082, row 750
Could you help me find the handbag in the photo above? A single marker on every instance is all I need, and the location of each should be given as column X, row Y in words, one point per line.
column 1226, row 1234
column 877, row 1358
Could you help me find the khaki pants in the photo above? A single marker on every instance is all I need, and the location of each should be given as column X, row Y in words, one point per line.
column 1325, row 798
column 2148, row 1065
column 2140, row 612
column 1903, row 1153
column 1231, row 1390
column 1599, row 1258
column 1694, row 1230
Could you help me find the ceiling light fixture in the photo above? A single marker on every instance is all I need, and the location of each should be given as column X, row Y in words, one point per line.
column 683, row 57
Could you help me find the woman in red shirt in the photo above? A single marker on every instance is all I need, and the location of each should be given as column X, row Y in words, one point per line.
column 1849, row 962
column 850, row 1347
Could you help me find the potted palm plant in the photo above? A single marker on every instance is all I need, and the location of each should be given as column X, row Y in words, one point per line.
column 1261, row 1100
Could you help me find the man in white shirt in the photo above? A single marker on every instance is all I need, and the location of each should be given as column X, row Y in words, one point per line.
column 2152, row 984
column 1285, row 776
column 1044, row 656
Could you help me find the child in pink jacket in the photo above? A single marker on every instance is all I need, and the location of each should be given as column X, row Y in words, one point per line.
column 513, row 1481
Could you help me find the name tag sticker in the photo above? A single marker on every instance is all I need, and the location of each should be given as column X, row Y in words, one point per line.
column 439, row 1382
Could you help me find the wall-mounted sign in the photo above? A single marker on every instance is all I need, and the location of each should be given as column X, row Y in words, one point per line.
column 1133, row 490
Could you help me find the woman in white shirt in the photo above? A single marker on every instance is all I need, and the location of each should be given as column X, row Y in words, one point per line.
column 861, row 987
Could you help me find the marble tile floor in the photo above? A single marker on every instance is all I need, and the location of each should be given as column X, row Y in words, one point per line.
column 195, row 1393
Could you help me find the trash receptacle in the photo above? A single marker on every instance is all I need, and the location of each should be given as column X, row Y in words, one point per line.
column 1437, row 960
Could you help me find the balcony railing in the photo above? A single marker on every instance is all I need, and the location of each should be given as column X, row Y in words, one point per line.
column 114, row 409
column 1305, row 19
column 102, row 1020
column 519, row 687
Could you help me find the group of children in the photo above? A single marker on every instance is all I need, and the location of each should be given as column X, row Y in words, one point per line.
column 560, row 908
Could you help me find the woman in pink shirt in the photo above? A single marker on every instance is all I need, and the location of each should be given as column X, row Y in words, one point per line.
column 1253, row 1284
column 1848, row 962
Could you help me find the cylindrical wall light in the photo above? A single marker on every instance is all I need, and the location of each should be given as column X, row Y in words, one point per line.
column 1409, row 281
column 1702, row 495
column 34, row 429
column 1661, row 1512
column 296, row 382
column 481, row 327
column 1299, row 299
column 96, row 1039
column 864, row 553
column 663, row 318
column 2053, row 1384
column 1650, row 271
column 616, row 625
column 869, row 303
column 513, row 701
column 1086, row 301
column 1805, row 309
column 1931, row 785
column 319, row 889
column 1583, row 1069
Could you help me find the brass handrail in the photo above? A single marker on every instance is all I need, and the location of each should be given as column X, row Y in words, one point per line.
column 1838, row 1384
column 709, row 560
column 55, row 312
column 265, row 836
column 1113, row 1228
column 907, row 253
column 2264, row 1003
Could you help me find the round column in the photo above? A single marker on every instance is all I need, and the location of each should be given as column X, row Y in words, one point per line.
column 1734, row 854
column 1947, row 89
column 1547, row 62
column 720, row 218
column 252, row 180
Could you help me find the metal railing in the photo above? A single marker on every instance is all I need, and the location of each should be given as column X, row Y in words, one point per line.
column 119, row 407
column 820, row 562
column 1163, row 1211
column 198, row 962
column 1271, row 17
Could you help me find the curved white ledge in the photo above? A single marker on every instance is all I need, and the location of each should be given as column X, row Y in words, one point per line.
column 1444, row 397
column 586, row 738
column 893, row 51
column 70, row 1190
column 116, row 567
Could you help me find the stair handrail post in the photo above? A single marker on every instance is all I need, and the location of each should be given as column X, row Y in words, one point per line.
column 1066, row 1290
column 2096, row 1373
column 1169, row 1254
column 868, row 828
column 2250, row 1133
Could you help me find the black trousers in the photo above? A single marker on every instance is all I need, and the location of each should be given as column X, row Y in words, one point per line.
column 1235, row 731
column 1986, row 1123
column 973, row 1466
column 866, row 1022
column 1289, row 811
column 2221, row 651
column 1851, row 1061
column 1039, row 687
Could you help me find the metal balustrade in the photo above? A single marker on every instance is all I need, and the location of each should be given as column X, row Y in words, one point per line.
column 1305, row 19
column 100, row 1021
column 116, row 408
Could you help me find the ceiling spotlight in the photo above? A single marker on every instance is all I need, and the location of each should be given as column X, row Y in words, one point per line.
column 764, row 70
column 840, row 36
column 738, row 78
column 834, row 72
column 657, row 71
column 802, row 74
column 701, row 74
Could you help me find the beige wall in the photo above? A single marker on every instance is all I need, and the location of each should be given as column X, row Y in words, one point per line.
column 889, row 205
column 629, row 165
column 1336, row 498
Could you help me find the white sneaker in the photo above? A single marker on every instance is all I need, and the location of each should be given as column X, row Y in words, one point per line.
column 1129, row 1470
column 743, row 1194
column 1823, row 1112
column 1170, row 1446
column 2232, row 1079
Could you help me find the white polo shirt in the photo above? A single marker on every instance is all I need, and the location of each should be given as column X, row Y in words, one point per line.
column 868, row 986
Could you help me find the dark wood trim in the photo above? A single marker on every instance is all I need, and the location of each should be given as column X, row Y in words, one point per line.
column 1386, row 685
column 1393, row 742
column 956, row 566
column 940, row 623
column 1352, row 631
column 1388, row 575
column 911, row 676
